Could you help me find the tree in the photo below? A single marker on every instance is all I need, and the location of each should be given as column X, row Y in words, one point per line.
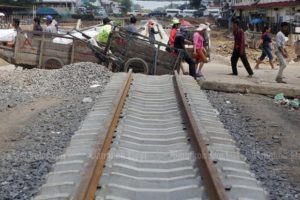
column 89, row 4
column 126, row 4
column 27, row 3
column 195, row 3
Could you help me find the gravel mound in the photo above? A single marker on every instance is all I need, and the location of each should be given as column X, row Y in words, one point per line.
column 28, row 158
column 24, row 85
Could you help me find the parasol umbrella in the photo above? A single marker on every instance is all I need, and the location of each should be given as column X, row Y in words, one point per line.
column 256, row 21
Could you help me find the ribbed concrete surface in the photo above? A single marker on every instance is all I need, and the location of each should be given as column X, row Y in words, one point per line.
column 151, row 157
column 70, row 167
column 234, row 171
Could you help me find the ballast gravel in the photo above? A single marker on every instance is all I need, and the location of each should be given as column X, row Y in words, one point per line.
column 23, row 85
column 29, row 158
column 249, row 129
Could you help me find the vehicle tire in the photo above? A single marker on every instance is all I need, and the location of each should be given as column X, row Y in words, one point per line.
column 137, row 65
column 52, row 63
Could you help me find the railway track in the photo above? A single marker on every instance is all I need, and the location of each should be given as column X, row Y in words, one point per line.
column 144, row 140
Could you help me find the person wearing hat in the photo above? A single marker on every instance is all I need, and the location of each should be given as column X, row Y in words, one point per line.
column 104, row 31
column 179, row 45
column 199, row 50
column 151, row 31
column 50, row 27
column 175, row 26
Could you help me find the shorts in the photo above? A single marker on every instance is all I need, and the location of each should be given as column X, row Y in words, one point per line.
column 266, row 52
column 200, row 56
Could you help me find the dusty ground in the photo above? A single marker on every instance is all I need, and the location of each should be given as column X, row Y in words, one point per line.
column 17, row 117
column 2, row 62
column 223, row 43
column 39, row 112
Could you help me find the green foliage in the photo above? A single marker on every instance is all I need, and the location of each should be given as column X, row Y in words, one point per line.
column 126, row 4
column 195, row 3
column 89, row 4
column 26, row 3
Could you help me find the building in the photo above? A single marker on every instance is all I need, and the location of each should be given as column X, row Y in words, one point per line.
column 21, row 12
column 63, row 8
column 272, row 11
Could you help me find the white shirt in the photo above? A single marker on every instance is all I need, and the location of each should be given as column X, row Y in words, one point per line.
column 280, row 41
column 51, row 29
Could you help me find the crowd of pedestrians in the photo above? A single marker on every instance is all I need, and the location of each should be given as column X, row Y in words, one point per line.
column 265, row 44
column 178, row 40
column 201, row 43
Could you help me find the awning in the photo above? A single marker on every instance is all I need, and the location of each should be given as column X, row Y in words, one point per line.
column 267, row 5
column 2, row 14
column 46, row 11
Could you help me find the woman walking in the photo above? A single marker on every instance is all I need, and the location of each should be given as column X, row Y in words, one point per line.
column 199, row 50
column 265, row 43
column 152, row 31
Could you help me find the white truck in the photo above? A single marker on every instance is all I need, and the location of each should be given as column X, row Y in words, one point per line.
column 214, row 12
column 172, row 12
column 136, row 13
column 187, row 13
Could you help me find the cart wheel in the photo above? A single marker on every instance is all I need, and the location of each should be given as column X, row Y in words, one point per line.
column 53, row 63
column 137, row 65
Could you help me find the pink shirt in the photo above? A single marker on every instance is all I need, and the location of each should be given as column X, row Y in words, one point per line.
column 198, row 40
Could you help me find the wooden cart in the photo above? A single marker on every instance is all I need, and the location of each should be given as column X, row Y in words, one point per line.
column 122, row 52
column 38, row 49
column 125, row 51
column 156, row 60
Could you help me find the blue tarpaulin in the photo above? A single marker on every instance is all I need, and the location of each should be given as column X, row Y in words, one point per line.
column 46, row 11
column 256, row 21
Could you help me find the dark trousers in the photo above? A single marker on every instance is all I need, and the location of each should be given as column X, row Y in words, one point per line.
column 191, row 63
column 234, row 59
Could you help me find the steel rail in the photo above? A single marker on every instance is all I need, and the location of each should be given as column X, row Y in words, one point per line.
column 88, row 186
column 214, row 186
